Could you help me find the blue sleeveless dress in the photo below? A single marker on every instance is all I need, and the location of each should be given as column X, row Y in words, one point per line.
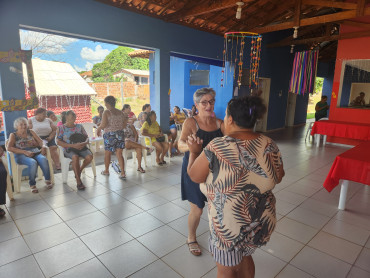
column 190, row 190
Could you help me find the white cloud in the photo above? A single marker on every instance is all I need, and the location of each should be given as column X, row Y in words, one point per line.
column 78, row 69
column 89, row 66
column 42, row 43
column 96, row 55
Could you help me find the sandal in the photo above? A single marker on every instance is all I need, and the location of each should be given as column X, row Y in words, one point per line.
column 81, row 186
column 34, row 189
column 49, row 184
column 141, row 170
column 123, row 177
column 2, row 213
column 194, row 248
column 104, row 173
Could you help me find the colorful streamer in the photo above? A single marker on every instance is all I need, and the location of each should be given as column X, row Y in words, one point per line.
column 304, row 72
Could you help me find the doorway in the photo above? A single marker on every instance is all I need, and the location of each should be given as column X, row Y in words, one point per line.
column 290, row 110
column 264, row 86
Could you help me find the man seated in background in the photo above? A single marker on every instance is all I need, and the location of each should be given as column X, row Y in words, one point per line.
column 321, row 108
column 359, row 100
column 97, row 119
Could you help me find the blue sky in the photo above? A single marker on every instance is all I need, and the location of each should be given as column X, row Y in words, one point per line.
column 81, row 54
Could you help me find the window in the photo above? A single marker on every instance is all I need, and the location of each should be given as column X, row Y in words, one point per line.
column 137, row 80
column 199, row 77
column 144, row 80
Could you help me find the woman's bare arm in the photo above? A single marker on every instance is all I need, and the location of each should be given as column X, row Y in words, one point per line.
column 188, row 128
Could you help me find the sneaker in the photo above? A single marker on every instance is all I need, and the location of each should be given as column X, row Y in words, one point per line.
column 116, row 167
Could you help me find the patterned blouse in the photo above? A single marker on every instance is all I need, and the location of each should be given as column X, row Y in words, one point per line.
column 241, row 206
column 64, row 132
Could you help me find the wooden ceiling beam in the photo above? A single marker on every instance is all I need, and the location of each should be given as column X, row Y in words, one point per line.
column 310, row 21
column 360, row 7
column 331, row 4
column 165, row 7
column 324, row 38
column 297, row 13
column 204, row 8
column 357, row 24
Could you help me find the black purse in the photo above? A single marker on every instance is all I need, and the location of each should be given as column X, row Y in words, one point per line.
column 77, row 138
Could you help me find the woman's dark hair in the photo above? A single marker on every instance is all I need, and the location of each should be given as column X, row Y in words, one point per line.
column 100, row 107
column 40, row 111
column 148, row 117
column 111, row 100
column 63, row 115
column 245, row 111
column 145, row 106
column 126, row 106
column 177, row 107
column 49, row 113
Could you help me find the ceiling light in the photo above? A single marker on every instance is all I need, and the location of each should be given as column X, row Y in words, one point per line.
column 295, row 33
column 239, row 10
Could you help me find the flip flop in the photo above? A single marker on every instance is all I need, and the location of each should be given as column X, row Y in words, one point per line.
column 34, row 189
column 49, row 184
column 122, row 177
column 2, row 213
column 104, row 173
column 194, row 248
column 141, row 170
column 81, row 186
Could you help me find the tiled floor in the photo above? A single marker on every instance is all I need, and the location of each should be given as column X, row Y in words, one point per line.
column 138, row 228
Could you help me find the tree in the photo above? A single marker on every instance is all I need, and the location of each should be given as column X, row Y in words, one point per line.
column 116, row 60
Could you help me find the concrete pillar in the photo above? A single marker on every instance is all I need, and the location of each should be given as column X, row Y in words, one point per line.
column 11, row 83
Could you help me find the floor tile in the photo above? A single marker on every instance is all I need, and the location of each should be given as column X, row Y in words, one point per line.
column 93, row 191
column 12, row 250
column 23, row 268
column 37, row 222
column 319, row 207
column 295, row 230
column 127, row 259
column 170, row 194
column 121, row 211
column 356, row 272
column 106, row 200
column 106, row 239
column 290, row 197
column 282, row 247
column 75, row 210
column 167, row 212
column 347, row 231
column 181, row 225
column 90, row 269
column 62, row 257
column 56, row 190
column 182, row 204
column 8, row 231
column 64, row 199
column 357, row 218
column 28, row 209
column 188, row 265
column 49, row 237
column 263, row 259
column 162, row 240
column 211, row 274
column 320, row 264
column 292, row 272
column 140, row 224
column 156, row 269
column 336, row 247
column 364, row 259
column 283, row 207
column 133, row 192
column 308, row 217
column 23, row 198
column 149, row 201
column 88, row 223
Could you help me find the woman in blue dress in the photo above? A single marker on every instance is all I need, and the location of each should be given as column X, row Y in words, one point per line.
column 207, row 127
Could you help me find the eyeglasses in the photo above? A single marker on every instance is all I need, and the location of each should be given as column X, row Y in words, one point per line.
column 205, row 102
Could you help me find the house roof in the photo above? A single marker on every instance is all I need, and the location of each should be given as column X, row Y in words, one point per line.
column 57, row 79
column 140, row 53
column 86, row 73
column 134, row 72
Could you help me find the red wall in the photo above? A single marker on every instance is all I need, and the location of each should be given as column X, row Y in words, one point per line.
column 358, row 48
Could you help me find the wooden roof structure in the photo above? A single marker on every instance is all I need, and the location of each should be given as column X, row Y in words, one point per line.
column 318, row 21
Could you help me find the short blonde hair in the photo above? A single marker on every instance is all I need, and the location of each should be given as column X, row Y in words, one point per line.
column 18, row 121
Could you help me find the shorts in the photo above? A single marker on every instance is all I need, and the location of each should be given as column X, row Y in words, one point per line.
column 114, row 140
column 173, row 126
column 229, row 258
column 49, row 143
column 83, row 154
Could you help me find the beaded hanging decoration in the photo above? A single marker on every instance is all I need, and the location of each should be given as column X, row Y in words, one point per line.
column 233, row 54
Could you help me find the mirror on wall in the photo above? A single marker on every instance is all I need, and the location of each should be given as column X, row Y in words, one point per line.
column 354, row 89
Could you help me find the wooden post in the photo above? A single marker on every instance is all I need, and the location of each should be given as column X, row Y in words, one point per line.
column 121, row 86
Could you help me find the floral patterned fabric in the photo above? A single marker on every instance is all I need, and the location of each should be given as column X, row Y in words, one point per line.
column 241, row 206
column 64, row 133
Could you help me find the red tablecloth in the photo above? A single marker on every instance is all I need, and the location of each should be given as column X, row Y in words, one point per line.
column 353, row 165
column 342, row 129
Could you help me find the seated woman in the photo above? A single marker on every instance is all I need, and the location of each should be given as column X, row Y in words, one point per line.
column 74, row 150
column 237, row 173
column 3, row 182
column 176, row 118
column 146, row 109
column 152, row 129
column 45, row 128
column 29, row 150
column 51, row 115
column 131, row 115
column 62, row 119
column 97, row 119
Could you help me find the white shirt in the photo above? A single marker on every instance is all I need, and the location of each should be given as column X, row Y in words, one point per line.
column 41, row 128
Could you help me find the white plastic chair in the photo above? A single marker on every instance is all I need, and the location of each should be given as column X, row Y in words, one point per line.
column 9, row 188
column 133, row 153
column 17, row 169
column 308, row 132
column 65, row 161
column 150, row 145
column 95, row 140
column 137, row 125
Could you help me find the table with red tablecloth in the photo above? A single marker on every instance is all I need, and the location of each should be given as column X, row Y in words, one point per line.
column 357, row 131
column 352, row 165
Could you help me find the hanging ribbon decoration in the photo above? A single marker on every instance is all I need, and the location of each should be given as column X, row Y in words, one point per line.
column 304, row 69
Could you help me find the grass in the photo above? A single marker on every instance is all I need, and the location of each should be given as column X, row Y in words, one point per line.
column 136, row 105
column 310, row 116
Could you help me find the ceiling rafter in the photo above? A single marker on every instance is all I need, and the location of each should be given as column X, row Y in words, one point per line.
column 330, row 4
